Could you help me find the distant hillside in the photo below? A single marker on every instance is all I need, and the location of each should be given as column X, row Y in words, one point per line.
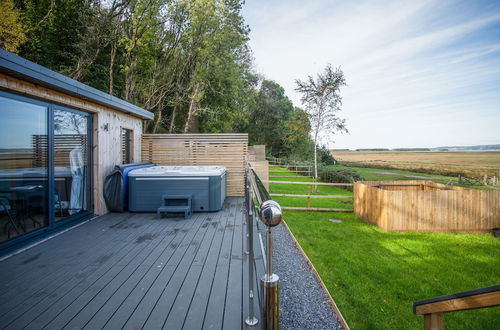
column 466, row 148
column 446, row 148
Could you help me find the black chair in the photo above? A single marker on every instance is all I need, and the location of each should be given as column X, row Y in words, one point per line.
column 5, row 209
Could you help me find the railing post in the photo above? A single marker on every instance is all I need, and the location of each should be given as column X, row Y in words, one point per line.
column 270, row 288
column 251, row 320
column 270, row 215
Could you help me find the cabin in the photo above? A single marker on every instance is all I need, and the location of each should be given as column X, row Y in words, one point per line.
column 58, row 140
column 67, row 261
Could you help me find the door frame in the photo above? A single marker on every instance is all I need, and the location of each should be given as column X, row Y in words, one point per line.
column 53, row 226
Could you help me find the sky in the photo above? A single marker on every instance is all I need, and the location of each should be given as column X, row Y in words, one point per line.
column 420, row 73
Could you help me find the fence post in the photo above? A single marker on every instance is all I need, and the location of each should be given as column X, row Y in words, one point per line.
column 308, row 196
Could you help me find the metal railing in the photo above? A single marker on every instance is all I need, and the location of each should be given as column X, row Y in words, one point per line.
column 258, row 204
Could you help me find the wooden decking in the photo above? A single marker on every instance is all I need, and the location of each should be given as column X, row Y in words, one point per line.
column 128, row 271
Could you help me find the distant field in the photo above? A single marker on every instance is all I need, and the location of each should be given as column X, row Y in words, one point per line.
column 471, row 164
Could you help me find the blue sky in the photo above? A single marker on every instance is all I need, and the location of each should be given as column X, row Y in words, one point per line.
column 419, row 73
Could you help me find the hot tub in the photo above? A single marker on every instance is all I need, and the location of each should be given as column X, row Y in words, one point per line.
column 207, row 184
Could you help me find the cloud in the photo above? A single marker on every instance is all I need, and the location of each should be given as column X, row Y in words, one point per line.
column 411, row 66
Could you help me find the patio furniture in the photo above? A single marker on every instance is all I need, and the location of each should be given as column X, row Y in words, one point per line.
column 176, row 204
column 7, row 210
column 22, row 204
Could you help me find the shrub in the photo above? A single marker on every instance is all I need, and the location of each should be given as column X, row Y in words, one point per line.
column 325, row 157
column 343, row 175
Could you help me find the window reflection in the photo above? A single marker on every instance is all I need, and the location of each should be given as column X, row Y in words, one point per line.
column 23, row 168
column 71, row 163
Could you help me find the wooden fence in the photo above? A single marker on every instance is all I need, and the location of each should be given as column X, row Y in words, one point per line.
column 261, row 168
column 309, row 196
column 228, row 150
column 426, row 206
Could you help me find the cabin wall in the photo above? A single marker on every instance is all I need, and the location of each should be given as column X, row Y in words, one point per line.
column 107, row 124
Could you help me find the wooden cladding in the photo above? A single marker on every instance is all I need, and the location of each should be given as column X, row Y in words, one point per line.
column 426, row 206
column 228, row 150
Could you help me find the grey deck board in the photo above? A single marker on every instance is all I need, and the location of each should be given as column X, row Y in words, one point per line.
column 215, row 308
column 107, row 284
column 145, row 274
column 40, row 284
column 50, row 292
column 233, row 305
column 202, row 291
column 134, row 271
column 75, row 298
column 117, row 290
column 179, row 308
column 38, row 258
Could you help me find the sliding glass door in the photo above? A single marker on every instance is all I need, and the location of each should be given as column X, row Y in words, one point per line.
column 45, row 172
column 23, row 168
column 71, row 163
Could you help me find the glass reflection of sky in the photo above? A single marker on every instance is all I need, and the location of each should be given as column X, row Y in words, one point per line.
column 19, row 122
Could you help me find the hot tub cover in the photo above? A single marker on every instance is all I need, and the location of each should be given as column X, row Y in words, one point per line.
column 179, row 171
column 115, row 185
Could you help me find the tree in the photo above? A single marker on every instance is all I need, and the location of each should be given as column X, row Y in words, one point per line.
column 11, row 30
column 297, row 142
column 322, row 101
column 268, row 118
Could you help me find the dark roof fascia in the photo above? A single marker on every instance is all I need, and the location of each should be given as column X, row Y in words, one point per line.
column 17, row 66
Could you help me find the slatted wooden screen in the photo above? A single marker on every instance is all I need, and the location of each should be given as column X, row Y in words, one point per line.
column 228, row 150
column 426, row 206
column 63, row 144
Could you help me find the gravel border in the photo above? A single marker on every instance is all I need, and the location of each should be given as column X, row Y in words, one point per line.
column 303, row 303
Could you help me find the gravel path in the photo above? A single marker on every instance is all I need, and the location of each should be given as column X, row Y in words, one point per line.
column 303, row 303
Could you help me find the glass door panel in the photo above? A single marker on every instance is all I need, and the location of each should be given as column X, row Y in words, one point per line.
column 71, row 163
column 23, row 168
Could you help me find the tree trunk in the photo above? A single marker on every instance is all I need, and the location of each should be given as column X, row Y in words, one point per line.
column 114, row 46
column 157, row 121
column 172, row 120
column 192, row 108
column 111, row 63
column 316, row 161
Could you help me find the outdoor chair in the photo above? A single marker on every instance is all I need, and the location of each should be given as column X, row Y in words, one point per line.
column 5, row 209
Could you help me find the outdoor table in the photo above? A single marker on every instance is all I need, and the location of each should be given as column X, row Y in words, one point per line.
column 22, row 193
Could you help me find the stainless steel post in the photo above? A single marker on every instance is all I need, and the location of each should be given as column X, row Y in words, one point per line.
column 270, row 288
column 270, row 214
column 251, row 320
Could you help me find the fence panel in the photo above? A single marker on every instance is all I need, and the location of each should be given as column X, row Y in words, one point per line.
column 426, row 206
column 228, row 150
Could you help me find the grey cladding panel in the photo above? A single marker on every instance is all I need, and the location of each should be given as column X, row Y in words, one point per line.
column 145, row 192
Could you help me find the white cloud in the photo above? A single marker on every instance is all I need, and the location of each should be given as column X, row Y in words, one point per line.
column 412, row 67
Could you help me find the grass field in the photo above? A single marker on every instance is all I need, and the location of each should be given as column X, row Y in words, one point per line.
column 377, row 174
column 374, row 276
column 285, row 188
column 471, row 164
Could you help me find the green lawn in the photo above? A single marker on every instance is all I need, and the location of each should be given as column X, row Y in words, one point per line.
column 378, row 174
column 374, row 276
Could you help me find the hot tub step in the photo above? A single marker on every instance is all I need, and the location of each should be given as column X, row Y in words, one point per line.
column 176, row 204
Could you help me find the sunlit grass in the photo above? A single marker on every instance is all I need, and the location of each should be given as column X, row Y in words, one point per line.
column 374, row 276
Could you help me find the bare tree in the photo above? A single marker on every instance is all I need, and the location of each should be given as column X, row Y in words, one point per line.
column 321, row 99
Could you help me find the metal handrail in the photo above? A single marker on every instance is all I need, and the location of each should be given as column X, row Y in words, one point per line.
column 269, row 213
